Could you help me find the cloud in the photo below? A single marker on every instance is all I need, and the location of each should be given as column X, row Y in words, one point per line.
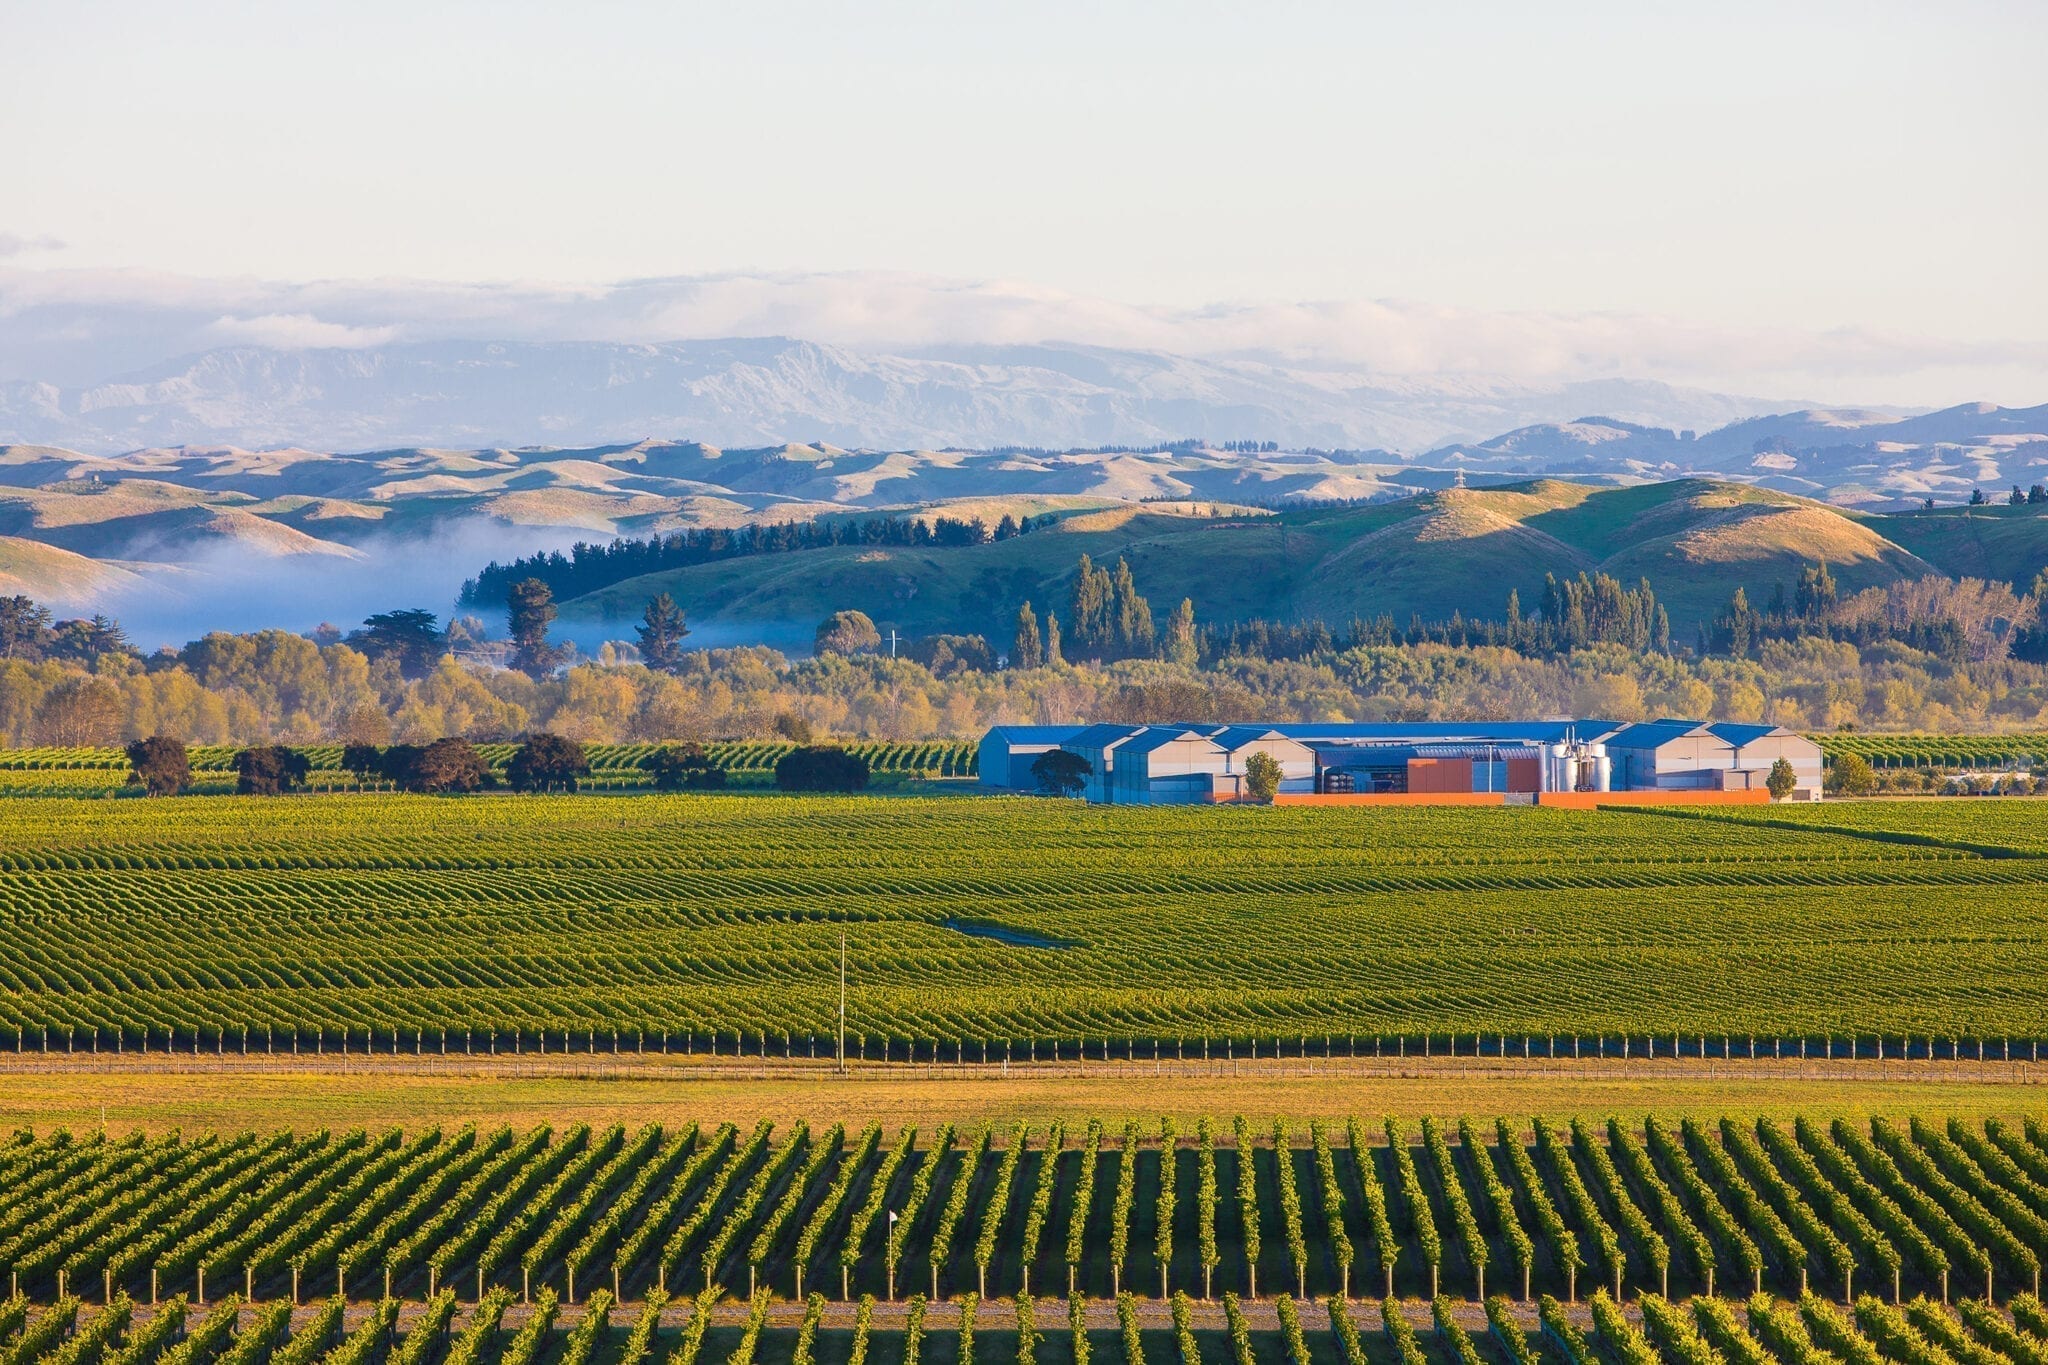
column 14, row 244
column 298, row 332
column 84, row 326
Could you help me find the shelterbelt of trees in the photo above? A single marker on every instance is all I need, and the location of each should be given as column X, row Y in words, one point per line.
column 82, row 683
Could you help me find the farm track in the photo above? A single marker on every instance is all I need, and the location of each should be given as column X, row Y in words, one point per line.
column 626, row 1068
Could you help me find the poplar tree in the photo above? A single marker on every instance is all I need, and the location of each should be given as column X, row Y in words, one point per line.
column 1180, row 645
column 1027, row 651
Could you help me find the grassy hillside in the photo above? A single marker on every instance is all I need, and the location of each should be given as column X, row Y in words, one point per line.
column 1998, row 542
column 58, row 577
column 1454, row 550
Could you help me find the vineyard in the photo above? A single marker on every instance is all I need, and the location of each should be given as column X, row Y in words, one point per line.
column 1940, row 753
column 614, row 767
column 1906, row 1240
column 982, row 929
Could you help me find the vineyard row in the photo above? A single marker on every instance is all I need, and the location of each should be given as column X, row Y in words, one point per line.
column 1897, row 1209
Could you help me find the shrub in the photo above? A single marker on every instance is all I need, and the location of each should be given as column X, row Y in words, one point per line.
column 676, row 767
column 160, row 764
column 546, row 762
column 446, row 765
column 270, row 770
column 821, row 768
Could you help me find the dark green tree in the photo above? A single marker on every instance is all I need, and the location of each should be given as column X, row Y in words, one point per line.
column 446, row 765
column 24, row 628
column 661, row 633
column 1028, row 649
column 270, row 770
column 1180, row 645
column 680, row 767
column 88, row 641
column 1817, row 594
column 1853, row 776
column 1782, row 780
column 1134, row 630
column 161, row 765
column 1262, row 778
column 1738, row 625
column 364, row 760
column 1059, row 773
column 821, row 768
column 413, row 638
column 846, row 632
column 530, row 610
column 546, row 762
column 1089, row 613
column 1053, row 657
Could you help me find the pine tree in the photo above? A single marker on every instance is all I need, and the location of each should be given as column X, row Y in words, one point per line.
column 1052, row 641
column 1180, row 645
column 1028, row 650
column 530, row 610
column 661, row 637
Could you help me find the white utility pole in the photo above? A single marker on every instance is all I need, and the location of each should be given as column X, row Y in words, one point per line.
column 842, row 1002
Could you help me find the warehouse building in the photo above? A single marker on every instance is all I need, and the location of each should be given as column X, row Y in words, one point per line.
column 1505, row 760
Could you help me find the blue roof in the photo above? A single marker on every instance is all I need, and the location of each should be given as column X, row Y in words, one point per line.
column 1159, row 736
column 1032, row 734
column 1651, row 734
column 1100, row 736
column 1739, row 734
column 1231, row 738
column 1536, row 731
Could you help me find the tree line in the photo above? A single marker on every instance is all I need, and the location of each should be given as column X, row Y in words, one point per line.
column 588, row 567
column 161, row 765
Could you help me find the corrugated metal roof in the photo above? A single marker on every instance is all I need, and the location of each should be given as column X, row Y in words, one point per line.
column 1653, row 734
column 1159, row 736
column 1231, row 738
column 1537, row 731
column 1740, row 734
column 1032, row 734
column 1100, row 736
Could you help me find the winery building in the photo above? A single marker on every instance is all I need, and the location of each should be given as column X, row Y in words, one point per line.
column 1454, row 762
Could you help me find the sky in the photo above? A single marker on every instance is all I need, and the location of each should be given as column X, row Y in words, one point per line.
column 1780, row 198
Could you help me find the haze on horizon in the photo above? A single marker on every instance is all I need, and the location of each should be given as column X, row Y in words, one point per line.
column 1836, row 202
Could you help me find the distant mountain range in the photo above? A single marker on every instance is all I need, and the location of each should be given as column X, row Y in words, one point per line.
column 184, row 538
column 773, row 390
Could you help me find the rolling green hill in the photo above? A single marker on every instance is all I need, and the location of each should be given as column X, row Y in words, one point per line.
column 1455, row 550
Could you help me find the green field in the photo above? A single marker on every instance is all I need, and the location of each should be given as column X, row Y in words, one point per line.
column 1017, row 927
column 613, row 767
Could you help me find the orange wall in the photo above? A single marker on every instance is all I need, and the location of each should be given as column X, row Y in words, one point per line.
column 1467, row 798
column 1591, row 800
column 1439, row 776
